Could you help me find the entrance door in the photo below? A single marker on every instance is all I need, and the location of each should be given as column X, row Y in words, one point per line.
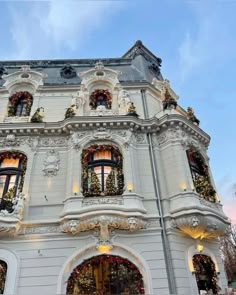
column 105, row 275
column 205, row 272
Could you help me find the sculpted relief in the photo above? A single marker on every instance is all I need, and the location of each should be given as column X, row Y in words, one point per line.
column 51, row 163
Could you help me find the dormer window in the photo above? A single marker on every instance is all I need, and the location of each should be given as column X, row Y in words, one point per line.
column 20, row 104
column 100, row 97
column 102, row 171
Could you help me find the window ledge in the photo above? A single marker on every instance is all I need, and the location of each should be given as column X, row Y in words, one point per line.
column 78, row 205
column 22, row 119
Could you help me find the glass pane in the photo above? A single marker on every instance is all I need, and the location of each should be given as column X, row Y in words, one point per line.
column 102, row 155
column 98, row 171
column 10, row 163
column 12, row 181
column 2, row 184
column 107, row 170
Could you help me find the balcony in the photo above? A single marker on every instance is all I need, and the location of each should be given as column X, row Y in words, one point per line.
column 197, row 217
column 83, row 207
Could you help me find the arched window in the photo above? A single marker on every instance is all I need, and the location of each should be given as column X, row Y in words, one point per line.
column 205, row 273
column 102, row 171
column 12, row 171
column 100, row 97
column 200, row 176
column 106, row 275
column 20, row 104
column 3, row 274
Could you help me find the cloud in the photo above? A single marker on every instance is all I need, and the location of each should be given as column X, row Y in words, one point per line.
column 210, row 40
column 48, row 29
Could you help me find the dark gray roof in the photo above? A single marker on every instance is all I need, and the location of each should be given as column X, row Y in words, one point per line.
column 138, row 64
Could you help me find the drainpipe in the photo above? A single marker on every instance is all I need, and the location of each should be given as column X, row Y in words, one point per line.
column 166, row 248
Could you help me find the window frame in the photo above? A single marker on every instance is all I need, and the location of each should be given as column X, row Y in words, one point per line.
column 88, row 165
column 19, row 172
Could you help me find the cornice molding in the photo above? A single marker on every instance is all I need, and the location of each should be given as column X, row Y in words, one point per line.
column 66, row 127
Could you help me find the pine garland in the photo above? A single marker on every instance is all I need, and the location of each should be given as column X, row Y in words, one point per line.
column 110, row 190
column 15, row 98
column 100, row 94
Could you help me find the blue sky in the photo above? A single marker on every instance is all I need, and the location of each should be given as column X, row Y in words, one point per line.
column 195, row 39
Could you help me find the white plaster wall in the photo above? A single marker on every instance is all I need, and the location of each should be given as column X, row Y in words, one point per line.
column 185, row 280
column 154, row 104
column 53, row 187
column 55, row 105
column 41, row 259
column 3, row 106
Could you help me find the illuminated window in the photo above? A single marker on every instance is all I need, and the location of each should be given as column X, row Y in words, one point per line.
column 12, row 169
column 200, row 176
column 106, row 275
column 102, row 171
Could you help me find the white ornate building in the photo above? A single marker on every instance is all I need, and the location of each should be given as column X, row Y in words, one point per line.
column 105, row 182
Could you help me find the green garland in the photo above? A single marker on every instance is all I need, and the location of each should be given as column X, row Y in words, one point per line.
column 121, row 270
column 201, row 181
column 94, row 189
column 10, row 194
column 15, row 98
column 204, row 266
column 100, row 94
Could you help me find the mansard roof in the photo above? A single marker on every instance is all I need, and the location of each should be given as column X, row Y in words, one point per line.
column 138, row 64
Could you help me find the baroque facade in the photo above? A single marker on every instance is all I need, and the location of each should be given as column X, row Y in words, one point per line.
column 105, row 182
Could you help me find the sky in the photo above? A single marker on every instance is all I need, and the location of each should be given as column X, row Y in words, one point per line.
column 196, row 40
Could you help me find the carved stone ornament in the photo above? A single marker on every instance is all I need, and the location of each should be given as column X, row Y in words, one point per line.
column 199, row 226
column 123, row 101
column 80, row 97
column 126, row 136
column 178, row 134
column 171, row 135
column 51, row 163
column 102, row 133
column 102, row 201
column 99, row 73
column 36, row 230
column 24, row 76
column 76, row 139
column 104, row 224
column 10, row 223
column 10, row 140
column 102, row 111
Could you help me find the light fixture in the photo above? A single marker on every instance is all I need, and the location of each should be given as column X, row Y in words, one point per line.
column 129, row 187
column 200, row 247
column 183, row 186
column 104, row 246
column 75, row 189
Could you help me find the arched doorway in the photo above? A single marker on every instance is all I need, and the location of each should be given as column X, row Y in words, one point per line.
column 205, row 273
column 105, row 275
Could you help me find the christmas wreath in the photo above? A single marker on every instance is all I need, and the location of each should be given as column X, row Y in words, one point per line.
column 99, row 95
column 25, row 96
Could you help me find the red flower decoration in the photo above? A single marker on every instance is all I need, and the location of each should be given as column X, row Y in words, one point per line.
column 99, row 95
